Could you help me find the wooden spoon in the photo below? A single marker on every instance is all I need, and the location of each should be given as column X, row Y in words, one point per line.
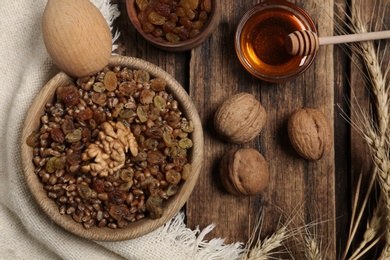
column 76, row 36
column 307, row 42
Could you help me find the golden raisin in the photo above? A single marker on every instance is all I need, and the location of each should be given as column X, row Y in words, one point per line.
column 171, row 190
column 153, row 205
column 119, row 212
column 84, row 191
column 146, row 96
column 142, row 4
column 74, row 136
column 141, row 76
column 159, row 103
column 169, row 139
column 173, row 177
column 142, row 114
column 147, row 27
column 126, row 88
column 99, row 98
column 158, row 84
column 192, row 4
column 168, row 26
column 110, row 81
column 155, row 157
column 156, row 19
column 33, row 139
column 50, row 165
column 185, row 143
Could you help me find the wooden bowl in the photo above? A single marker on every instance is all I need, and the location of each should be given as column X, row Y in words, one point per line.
column 137, row 228
column 185, row 45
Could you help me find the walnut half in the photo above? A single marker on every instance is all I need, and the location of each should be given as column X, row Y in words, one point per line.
column 109, row 152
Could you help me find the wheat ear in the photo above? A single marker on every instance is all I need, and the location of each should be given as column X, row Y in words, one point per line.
column 313, row 250
column 377, row 137
column 372, row 233
column 258, row 249
column 367, row 128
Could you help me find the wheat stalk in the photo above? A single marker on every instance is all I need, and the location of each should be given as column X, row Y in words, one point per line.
column 267, row 248
column 365, row 125
column 293, row 238
column 370, row 236
column 375, row 131
column 311, row 242
column 312, row 248
column 367, row 52
column 376, row 134
column 264, row 250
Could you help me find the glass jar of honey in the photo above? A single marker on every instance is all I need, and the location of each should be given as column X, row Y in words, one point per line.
column 260, row 37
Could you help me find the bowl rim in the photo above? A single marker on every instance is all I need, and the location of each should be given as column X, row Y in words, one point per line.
column 206, row 31
column 260, row 7
column 137, row 228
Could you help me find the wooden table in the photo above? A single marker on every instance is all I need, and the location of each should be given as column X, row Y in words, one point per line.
column 318, row 191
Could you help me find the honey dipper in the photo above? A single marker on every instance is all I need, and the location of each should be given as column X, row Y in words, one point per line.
column 307, row 42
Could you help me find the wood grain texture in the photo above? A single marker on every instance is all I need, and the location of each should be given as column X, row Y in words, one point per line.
column 375, row 17
column 295, row 184
column 76, row 36
column 311, row 191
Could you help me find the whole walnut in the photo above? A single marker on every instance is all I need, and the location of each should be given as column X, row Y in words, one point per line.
column 240, row 118
column 244, row 172
column 310, row 133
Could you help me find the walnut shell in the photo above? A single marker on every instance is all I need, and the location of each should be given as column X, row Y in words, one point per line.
column 310, row 133
column 244, row 172
column 240, row 118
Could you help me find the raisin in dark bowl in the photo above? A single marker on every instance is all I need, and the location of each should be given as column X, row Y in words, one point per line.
column 113, row 156
column 173, row 25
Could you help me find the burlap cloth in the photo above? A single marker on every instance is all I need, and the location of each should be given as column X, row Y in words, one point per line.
column 25, row 232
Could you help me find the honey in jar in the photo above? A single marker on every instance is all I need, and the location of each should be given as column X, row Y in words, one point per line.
column 260, row 40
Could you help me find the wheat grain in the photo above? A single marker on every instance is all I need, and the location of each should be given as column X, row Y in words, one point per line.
column 376, row 136
column 373, row 125
column 375, row 132
column 380, row 157
column 312, row 248
column 367, row 52
column 312, row 243
column 267, row 248
column 379, row 152
column 373, row 228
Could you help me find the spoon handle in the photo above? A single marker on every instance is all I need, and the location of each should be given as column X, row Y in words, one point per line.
column 307, row 42
column 354, row 37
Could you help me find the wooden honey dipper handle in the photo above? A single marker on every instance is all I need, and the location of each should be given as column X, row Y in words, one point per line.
column 307, row 42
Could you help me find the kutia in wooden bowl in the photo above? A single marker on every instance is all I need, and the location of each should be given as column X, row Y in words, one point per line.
column 174, row 25
column 66, row 180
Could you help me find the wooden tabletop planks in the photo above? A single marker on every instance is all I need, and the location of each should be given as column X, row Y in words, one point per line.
column 310, row 191
column 295, row 184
